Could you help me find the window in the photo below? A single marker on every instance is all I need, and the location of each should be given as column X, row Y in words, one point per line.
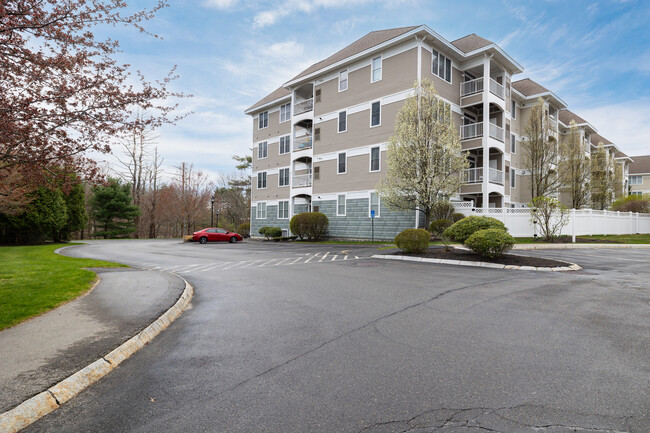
column 374, row 204
column 262, row 150
column 285, row 144
column 283, row 210
column 513, row 143
column 376, row 69
column 342, row 163
column 340, row 205
column 284, row 177
column 513, row 178
column 285, row 112
column 636, row 180
column 343, row 121
column 441, row 66
column 343, row 80
column 374, row 158
column 261, row 180
column 375, row 113
column 513, row 109
column 637, row 193
column 263, row 120
column 261, row 211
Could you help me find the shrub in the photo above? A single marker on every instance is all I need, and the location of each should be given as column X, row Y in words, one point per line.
column 244, row 229
column 632, row 203
column 309, row 225
column 262, row 230
column 270, row 232
column 490, row 243
column 464, row 228
column 413, row 240
column 442, row 210
column 438, row 226
column 456, row 216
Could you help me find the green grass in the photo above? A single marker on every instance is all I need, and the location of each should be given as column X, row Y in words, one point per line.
column 623, row 239
column 34, row 280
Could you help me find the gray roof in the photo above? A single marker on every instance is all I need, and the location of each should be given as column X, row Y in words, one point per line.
column 528, row 87
column 470, row 43
column 566, row 116
column 640, row 165
column 368, row 41
column 276, row 94
column 597, row 139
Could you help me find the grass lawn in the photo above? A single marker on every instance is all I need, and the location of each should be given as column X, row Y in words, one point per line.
column 623, row 239
column 34, row 280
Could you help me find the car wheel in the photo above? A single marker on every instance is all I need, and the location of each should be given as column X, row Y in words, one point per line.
column 233, row 240
column 203, row 240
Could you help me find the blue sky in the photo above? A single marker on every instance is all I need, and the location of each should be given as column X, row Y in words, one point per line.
column 595, row 55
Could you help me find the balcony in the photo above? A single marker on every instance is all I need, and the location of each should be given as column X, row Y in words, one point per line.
column 301, row 180
column 475, row 175
column 303, row 106
column 473, row 130
column 497, row 89
column 302, row 143
column 496, row 132
column 471, row 87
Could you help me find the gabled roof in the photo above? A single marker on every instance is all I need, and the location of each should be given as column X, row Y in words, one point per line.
column 641, row 164
column 597, row 138
column 528, row 87
column 470, row 43
column 566, row 116
column 619, row 154
column 278, row 93
column 368, row 41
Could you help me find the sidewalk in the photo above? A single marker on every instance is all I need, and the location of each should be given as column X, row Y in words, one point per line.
column 42, row 351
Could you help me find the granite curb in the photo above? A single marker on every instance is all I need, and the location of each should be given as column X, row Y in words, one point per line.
column 47, row 401
column 571, row 267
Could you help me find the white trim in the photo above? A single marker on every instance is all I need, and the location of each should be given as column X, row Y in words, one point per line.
column 338, row 121
column 280, row 177
column 370, row 111
column 347, row 80
column 287, row 209
column 380, row 69
column 258, row 120
column 280, row 115
column 338, row 162
column 345, row 204
column 266, row 179
column 280, row 144
column 354, row 151
column 378, row 213
column 257, row 210
column 513, row 178
column 259, row 149
column 370, row 158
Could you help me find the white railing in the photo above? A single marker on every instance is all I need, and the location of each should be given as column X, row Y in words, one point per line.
column 302, row 143
column 472, row 130
column 301, row 180
column 471, row 87
column 303, row 106
column 473, row 175
column 496, row 132
column 497, row 89
column 496, row 176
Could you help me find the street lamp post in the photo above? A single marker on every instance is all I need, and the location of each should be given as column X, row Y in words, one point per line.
column 217, row 218
column 212, row 212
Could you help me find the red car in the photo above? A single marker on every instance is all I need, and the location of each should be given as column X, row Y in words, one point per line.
column 214, row 235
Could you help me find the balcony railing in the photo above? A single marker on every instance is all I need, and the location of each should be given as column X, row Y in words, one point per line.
column 472, row 130
column 496, row 176
column 497, row 89
column 303, row 106
column 302, row 143
column 496, row 132
column 473, row 175
column 301, row 180
column 471, row 87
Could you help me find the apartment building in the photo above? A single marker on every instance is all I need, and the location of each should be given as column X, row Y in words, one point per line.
column 319, row 141
column 639, row 175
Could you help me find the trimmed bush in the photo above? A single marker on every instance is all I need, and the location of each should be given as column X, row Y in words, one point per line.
column 244, row 229
column 309, row 225
column 263, row 230
column 490, row 243
column 437, row 227
column 456, row 216
column 442, row 210
column 270, row 232
column 464, row 228
column 413, row 240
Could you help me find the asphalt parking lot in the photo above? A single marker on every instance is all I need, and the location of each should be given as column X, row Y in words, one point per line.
column 323, row 338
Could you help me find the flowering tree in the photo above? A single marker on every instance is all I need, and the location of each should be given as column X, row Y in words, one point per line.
column 63, row 93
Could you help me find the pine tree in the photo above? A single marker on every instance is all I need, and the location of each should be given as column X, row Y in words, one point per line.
column 113, row 209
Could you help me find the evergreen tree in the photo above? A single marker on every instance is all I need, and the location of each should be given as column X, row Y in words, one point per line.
column 113, row 209
column 76, row 211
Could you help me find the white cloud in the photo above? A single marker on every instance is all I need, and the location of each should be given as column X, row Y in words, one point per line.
column 221, row 4
column 625, row 124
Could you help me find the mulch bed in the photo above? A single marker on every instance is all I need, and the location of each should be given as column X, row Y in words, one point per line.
column 468, row 256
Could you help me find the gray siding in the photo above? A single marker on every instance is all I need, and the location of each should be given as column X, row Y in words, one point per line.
column 270, row 221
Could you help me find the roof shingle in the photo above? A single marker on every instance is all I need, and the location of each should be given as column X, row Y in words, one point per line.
column 640, row 165
column 470, row 43
column 566, row 116
column 597, row 139
column 276, row 94
column 528, row 87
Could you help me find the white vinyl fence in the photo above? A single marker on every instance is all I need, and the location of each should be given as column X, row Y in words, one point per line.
column 581, row 222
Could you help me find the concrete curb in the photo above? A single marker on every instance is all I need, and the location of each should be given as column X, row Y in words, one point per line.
column 578, row 246
column 571, row 267
column 41, row 404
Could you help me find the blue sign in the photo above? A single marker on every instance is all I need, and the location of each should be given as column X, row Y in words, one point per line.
column 372, row 214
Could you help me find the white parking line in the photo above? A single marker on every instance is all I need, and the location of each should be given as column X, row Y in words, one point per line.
column 309, row 259
column 264, row 264
column 299, row 258
column 324, row 255
column 233, row 265
column 345, row 257
column 280, row 262
column 334, row 257
column 215, row 266
column 254, row 261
